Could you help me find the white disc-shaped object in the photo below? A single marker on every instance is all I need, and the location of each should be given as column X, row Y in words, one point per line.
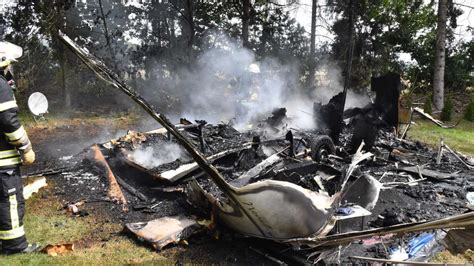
column 37, row 103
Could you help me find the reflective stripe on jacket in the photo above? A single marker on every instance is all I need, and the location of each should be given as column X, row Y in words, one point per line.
column 15, row 138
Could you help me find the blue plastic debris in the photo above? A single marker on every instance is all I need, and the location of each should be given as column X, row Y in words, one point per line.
column 344, row 211
column 417, row 243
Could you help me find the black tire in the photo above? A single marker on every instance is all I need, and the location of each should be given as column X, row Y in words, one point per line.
column 321, row 146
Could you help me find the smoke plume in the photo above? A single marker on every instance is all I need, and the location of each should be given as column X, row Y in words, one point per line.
column 223, row 87
column 151, row 157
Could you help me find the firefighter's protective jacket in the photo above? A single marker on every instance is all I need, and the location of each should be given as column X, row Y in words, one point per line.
column 12, row 143
column 15, row 139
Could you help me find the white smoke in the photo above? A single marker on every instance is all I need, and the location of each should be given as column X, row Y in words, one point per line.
column 220, row 87
column 151, row 157
column 300, row 113
column 329, row 82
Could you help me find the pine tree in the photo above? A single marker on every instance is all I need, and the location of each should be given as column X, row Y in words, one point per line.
column 447, row 111
column 428, row 105
column 469, row 114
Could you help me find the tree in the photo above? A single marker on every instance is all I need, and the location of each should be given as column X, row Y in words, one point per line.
column 440, row 57
column 106, row 30
column 312, row 47
column 383, row 30
column 246, row 5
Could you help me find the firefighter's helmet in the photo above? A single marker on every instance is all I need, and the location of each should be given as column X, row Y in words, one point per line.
column 254, row 68
column 9, row 53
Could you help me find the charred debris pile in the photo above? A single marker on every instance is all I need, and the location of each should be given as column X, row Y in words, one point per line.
column 365, row 189
column 342, row 192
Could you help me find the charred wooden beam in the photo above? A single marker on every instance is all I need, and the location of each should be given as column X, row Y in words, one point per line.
column 114, row 192
column 131, row 189
column 257, row 169
column 420, row 171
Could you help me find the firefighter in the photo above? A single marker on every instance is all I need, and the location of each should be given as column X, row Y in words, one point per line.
column 15, row 149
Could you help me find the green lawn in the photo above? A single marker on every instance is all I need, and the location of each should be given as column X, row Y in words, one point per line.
column 97, row 242
column 460, row 138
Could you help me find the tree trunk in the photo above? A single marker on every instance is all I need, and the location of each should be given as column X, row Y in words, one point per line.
column 106, row 32
column 188, row 10
column 170, row 29
column 66, row 89
column 350, row 52
column 440, row 56
column 245, row 23
column 61, row 24
column 312, row 48
column 265, row 32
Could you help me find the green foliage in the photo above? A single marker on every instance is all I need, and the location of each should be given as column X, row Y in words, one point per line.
column 428, row 105
column 447, row 112
column 460, row 66
column 376, row 48
column 383, row 29
column 469, row 114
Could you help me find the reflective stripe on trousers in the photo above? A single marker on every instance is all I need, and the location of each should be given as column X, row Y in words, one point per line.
column 12, row 234
column 14, row 211
column 17, row 230
column 12, row 208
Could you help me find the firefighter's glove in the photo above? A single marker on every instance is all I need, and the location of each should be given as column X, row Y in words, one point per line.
column 29, row 157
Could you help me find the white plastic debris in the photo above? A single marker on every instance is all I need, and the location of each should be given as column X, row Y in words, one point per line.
column 34, row 187
column 470, row 199
column 399, row 254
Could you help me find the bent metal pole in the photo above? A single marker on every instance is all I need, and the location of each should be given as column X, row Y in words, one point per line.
column 99, row 68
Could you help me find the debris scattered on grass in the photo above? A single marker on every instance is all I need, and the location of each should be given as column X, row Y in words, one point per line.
column 55, row 250
column 34, row 187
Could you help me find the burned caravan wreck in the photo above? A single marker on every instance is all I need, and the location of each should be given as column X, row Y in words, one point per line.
column 258, row 182
column 366, row 121
column 297, row 190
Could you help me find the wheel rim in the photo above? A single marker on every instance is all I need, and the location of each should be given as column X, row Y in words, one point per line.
column 323, row 154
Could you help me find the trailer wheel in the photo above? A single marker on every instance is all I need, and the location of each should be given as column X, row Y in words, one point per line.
column 321, row 147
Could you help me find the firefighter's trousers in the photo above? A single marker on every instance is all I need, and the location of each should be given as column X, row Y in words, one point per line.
column 12, row 209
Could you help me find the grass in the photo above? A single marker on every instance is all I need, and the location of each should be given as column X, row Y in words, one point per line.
column 96, row 242
column 121, row 120
column 460, row 138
